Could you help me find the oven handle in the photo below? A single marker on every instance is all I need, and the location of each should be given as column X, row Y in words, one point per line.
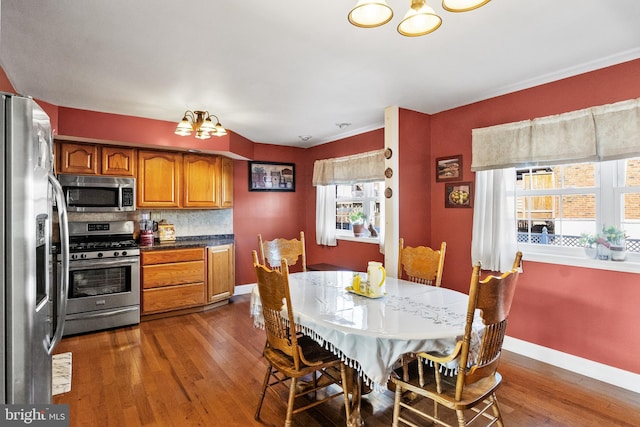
column 101, row 314
column 63, row 223
column 100, row 263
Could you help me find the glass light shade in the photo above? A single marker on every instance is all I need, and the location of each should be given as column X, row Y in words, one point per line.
column 200, row 134
column 370, row 13
column 207, row 125
column 219, row 130
column 184, row 128
column 419, row 20
column 463, row 5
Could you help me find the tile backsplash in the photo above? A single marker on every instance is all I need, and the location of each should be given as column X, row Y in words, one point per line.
column 187, row 222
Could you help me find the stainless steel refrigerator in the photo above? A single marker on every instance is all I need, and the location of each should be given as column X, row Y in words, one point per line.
column 32, row 305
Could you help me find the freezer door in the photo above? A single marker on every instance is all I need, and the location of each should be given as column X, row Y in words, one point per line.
column 29, row 288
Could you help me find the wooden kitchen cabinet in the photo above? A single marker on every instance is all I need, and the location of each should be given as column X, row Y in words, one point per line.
column 172, row 279
column 159, row 179
column 201, row 181
column 220, row 272
column 79, row 158
column 226, row 182
column 118, row 161
column 208, row 181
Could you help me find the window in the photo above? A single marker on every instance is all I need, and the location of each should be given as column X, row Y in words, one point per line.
column 556, row 204
column 364, row 197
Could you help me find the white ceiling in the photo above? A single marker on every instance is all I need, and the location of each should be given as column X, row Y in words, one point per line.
column 275, row 70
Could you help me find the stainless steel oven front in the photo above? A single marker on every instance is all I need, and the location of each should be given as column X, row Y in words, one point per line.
column 104, row 277
column 103, row 294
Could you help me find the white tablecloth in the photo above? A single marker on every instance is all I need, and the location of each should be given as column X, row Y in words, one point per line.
column 371, row 334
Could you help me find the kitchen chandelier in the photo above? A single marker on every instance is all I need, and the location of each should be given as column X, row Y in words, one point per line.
column 418, row 21
column 200, row 122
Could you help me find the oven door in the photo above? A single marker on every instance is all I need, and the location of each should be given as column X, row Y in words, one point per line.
column 103, row 284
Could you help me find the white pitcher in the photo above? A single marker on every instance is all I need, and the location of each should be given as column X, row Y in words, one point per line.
column 376, row 276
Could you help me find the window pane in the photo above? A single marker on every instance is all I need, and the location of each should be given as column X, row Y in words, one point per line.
column 632, row 172
column 578, row 176
column 363, row 197
column 555, row 220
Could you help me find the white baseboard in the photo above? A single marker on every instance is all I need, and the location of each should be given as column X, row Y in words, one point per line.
column 588, row 368
column 243, row 289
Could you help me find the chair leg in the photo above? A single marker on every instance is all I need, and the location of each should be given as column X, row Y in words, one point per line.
column 405, row 367
column 345, row 390
column 264, row 390
column 292, row 398
column 396, row 406
column 461, row 420
column 496, row 410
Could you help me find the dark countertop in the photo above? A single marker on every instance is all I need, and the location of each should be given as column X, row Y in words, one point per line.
column 191, row 242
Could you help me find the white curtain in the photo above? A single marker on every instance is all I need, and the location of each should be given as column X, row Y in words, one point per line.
column 326, row 215
column 494, row 240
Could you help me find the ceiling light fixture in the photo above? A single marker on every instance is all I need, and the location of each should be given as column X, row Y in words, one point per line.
column 200, row 123
column 418, row 21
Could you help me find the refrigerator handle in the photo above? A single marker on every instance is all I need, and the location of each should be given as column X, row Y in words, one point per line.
column 64, row 243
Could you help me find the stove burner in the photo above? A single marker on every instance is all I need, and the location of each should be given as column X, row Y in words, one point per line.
column 98, row 245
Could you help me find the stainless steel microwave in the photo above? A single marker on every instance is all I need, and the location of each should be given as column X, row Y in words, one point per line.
column 98, row 193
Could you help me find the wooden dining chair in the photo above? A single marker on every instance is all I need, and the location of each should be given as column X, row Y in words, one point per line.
column 421, row 264
column 291, row 357
column 477, row 377
column 273, row 251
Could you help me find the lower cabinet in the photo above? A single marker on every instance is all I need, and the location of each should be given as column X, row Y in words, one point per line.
column 220, row 273
column 172, row 279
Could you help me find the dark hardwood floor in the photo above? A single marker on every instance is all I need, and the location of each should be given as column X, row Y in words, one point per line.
column 206, row 369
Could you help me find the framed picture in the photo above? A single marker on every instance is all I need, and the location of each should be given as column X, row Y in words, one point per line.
column 458, row 195
column 272, row 176
column 449, row 168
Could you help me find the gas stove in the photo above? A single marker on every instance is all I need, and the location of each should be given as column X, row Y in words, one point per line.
column 97, row 240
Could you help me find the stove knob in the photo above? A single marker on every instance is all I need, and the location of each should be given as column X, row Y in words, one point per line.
column 83, row 256
column 124, row 253
column 116, row 253
column 99, row 254
column 74, row 256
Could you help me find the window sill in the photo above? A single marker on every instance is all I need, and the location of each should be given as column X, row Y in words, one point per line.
column 352, row 238
column 630, row 265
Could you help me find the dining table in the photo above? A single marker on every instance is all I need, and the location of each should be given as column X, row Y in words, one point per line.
column 370, row 334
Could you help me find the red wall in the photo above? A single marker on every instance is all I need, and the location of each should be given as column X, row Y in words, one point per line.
column 272, row 214
column 415, row 178
column 585, row 312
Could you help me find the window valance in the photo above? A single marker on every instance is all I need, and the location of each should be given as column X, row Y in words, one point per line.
column 605, row 132
column 364, row 167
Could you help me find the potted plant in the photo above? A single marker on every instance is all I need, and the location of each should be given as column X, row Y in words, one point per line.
column 615, row 240
column 590, row 244
column 358, row 221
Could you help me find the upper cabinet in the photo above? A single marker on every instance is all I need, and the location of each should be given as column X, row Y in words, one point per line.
column 226, row 182
column 165, row 179
column 79, row 158
column 208, row 181
column 201, row 181
column 159, row 179
column 93, row 159
column 118, row 161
